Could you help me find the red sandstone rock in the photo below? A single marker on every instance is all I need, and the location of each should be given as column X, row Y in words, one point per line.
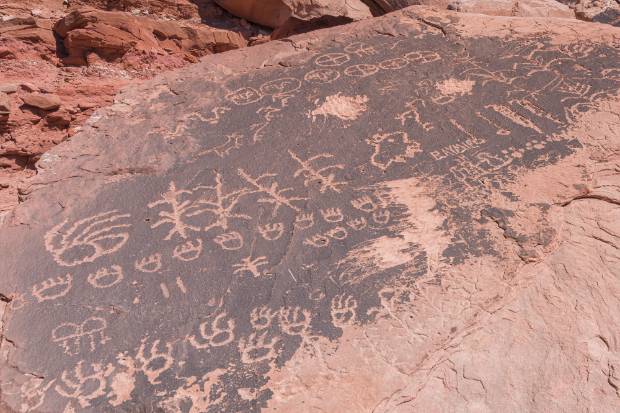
column 42, row 101
column 5, row 104
column 522, row 8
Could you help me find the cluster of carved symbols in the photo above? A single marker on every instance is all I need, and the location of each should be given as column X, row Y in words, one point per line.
column 88, row 239
column 265, row 242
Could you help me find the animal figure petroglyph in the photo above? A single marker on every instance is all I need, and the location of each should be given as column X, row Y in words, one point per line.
column 87, row 239
column 52, row 288
column 106, row 277
column 233, row 141
column 70, row 335
column 391, row 148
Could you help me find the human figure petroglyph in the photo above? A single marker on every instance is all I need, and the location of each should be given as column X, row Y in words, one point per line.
column 70, row 336
column 52, row 288
column 361, row 70
column 106, row 277
column 233, row 141
column 343, row 310
column 244, row 96
column 312, row 173
column 357, row 224
column 332, row 59
column 229, row 241
column 391, row 148
column 271, row 232
column 217, row 331
column 258, row 347
column 395, row 63
column 219, row 205
column 188, row 251
column 304, row 220
column 262, row 317
column 364, row 203
column 252, row 266
column 360, row 49
column 414, row 113
column 322, row 76
column 154, row 361
column 149, row 264
column 87, row 239
column 178, row 210
column 332, row 214
column 84, row 384
column 273, row 194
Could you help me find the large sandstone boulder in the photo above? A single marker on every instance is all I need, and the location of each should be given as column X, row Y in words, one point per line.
column 112, row 34
column 275, row 13
column 410, row 214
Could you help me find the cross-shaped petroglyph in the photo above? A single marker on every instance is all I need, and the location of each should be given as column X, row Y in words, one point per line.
column 178, row 211
column 310, row 170
column 251, row 265
column 106, row 277
column 217, row 331
column 84, row 384
column 52, row 288
column 70, row 335
column 87, row 239
column 273, row 194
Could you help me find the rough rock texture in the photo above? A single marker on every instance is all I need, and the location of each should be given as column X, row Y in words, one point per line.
column 111, row 35
column 143, row 38
column 439, row 231
column 523, row 8
column 297, row 15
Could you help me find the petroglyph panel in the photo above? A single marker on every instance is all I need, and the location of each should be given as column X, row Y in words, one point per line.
column 283, row 227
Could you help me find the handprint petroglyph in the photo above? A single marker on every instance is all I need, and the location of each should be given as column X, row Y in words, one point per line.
column 106, row 277
column 343, row 310
column 262, row 317
column 87, row 239
column 259, row 347
column 217, row 331
column 332, row 214
column 84, row 384
column 271, row 232
column 154, row 361
column 364, row 203
column 52, row 288
column 149, row 264
column 357, row 224
column 230, row 241
column 188, row 251
column 304, row 221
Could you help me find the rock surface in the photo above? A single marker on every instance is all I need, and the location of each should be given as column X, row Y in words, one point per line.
column 522, row 8
column 438, row 231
